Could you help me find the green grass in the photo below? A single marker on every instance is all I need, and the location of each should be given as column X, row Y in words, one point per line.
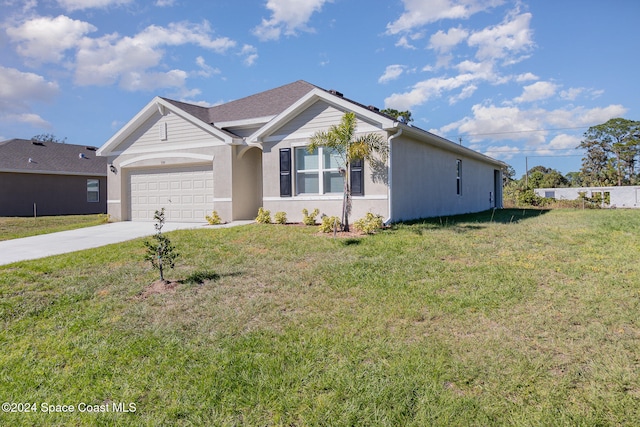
column 16, row 227
column 507, row 318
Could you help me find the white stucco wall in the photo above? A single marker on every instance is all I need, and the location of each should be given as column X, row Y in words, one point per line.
column 621, row 197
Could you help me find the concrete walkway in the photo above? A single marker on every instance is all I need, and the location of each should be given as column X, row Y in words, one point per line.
column 89, row 237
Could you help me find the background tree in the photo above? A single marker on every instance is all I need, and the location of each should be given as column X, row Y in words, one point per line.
column 612, row 148
column 406, row 115
column 343, row 141
column 574, row 179
column 508, row 175
column 48, row 137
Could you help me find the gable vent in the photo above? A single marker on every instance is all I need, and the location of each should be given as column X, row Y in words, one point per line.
column 336, row 93
column 92, row 148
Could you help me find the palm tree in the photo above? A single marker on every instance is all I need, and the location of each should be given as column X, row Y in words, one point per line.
column 349, row 147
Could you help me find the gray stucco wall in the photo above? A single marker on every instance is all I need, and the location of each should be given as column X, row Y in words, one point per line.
column 375, row 199
column 424, row 182
column 52, row 194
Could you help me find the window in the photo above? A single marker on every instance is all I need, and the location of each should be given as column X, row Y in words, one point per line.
column 550, row 194
column 93, row 190
column 318, row 172
column 459, row 177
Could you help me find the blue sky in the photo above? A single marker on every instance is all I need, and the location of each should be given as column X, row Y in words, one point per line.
column 517, row 80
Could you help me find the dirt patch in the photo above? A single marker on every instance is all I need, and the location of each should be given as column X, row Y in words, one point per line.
column 159, row 287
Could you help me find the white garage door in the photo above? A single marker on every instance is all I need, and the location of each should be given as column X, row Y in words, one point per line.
column 185, row 193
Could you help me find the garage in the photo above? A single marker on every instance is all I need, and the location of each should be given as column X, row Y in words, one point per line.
column 186, row 193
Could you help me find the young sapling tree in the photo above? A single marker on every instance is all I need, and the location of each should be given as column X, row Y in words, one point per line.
column 160, row 252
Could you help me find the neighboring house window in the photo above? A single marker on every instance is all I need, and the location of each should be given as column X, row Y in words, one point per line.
column 318, row 172
column 93, row 190
column 550, row 194
column 458, row 177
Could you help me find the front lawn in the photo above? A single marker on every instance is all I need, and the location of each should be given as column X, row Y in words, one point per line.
column 17, row 227
column 507, row 318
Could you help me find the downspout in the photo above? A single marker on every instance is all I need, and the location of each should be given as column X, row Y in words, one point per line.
column 389, row 178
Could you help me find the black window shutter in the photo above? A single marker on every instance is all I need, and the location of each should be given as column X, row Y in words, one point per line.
column 285, row 172
column 357, row 178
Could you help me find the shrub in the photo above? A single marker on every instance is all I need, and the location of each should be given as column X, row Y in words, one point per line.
column 309, row 219
column 281, row 217
column 328, row 224
column 369, row 224
column 214, row 218
column 264, row 216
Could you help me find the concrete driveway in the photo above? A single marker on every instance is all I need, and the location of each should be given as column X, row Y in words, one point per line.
column 85, row 238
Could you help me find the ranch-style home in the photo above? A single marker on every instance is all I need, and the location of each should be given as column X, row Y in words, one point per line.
column 250, row 153
column 50, row 178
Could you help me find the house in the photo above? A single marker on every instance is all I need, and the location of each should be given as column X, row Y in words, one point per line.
column 251, row 153
column 49, row 178
column 615, row 196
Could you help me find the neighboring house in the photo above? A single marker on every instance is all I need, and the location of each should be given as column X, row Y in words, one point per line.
column 619, row 197
column 241, row 155
column 49, row 178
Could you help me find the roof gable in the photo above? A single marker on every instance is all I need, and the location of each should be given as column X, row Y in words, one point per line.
column 335, row 99
column 157, row 104
column 26, row 156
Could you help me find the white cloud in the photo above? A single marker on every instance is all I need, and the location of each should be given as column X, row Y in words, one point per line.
column 418, row 13
column 72, row 5
column 526, row 77
column 17, row 87
column 501, row 152
column 467, row 92
column 404, row 42
column 572, row 93
column 250, row 54
column 564, row 141
column 165, row 3
column 537, row 91
column 26, row 118
column 46, row 39
column 288, row 17
column 392, row 72
column 148, row 81
column 444, row 42
column 425, row 90
column 512, row 36
column 205, row 69
column 533, row 126
column 17, row 90
column 112, row 58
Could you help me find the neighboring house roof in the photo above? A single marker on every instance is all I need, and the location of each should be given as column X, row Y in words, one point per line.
column 27, row 156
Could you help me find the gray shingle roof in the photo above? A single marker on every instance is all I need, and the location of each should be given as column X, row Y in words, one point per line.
column 50, row 157
column 263, row 104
